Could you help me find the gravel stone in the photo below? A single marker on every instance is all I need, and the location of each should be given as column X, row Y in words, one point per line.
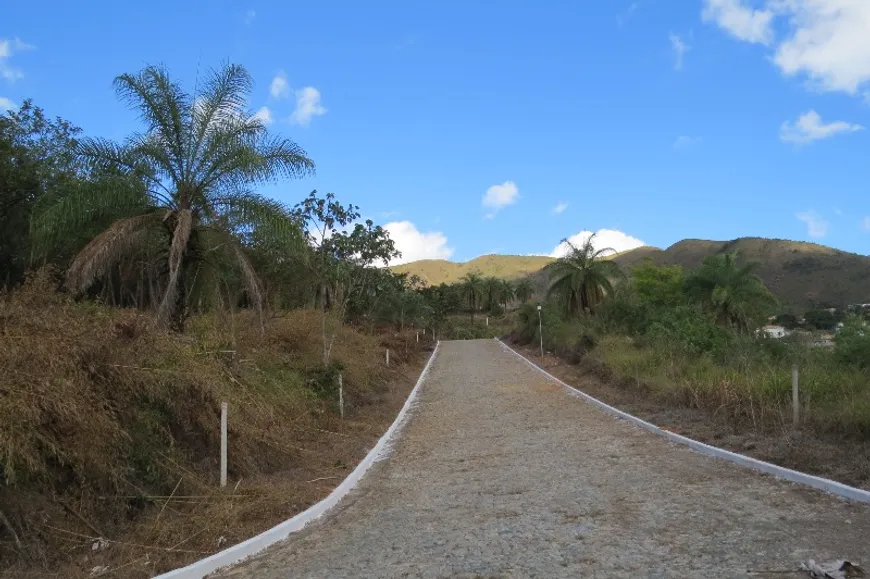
column 501, row 473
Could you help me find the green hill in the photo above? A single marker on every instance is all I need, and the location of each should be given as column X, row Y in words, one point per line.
column 802, row 275
column 437, row 271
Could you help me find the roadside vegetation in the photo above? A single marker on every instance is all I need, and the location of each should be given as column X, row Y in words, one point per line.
column 692, row 338
column 145, row 282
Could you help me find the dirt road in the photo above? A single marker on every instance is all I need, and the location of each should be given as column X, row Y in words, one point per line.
column 501, row 473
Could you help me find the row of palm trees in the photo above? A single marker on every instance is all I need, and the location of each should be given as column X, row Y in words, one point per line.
column 490, row 293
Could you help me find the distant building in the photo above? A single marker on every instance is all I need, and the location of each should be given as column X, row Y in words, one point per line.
column 823, row 341
column 775, row 332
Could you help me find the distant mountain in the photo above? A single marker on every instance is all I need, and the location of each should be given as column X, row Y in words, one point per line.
column 802, row 275
column 437, row 271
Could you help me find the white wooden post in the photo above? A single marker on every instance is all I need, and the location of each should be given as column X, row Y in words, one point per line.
column 223, row 444
column 487, row 321
column 340, row 396
column 418, row 336
column 388, row 356
column 795, row 400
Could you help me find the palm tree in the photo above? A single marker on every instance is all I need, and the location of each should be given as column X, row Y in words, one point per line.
column 524, row 290
column 472, row 288
column 734, row 293
column 582, row 277
column 506, row 293
column 491, row 292
column 186, row 181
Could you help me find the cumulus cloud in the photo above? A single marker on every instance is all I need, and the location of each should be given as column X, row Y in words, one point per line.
column 809, row 127
column 415, row 244
column 740, row 20
column 816, row 225
column 279, row 87
column 308, row 106
column 7, row 105
column 7, row 49
column 559, row 208
column 824, row 40
column 680, row 49
column 265, row 115
column 604, row 238
column 500, row 196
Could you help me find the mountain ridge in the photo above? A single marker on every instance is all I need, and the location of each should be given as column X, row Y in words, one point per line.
column 801, row 274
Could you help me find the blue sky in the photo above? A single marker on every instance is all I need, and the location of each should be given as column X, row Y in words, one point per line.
column 465, row 126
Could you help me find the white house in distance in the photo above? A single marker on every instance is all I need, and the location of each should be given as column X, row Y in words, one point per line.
column 775, row 332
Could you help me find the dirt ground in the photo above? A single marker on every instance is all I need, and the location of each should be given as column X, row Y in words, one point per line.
column 195, row 527
column 827, row 455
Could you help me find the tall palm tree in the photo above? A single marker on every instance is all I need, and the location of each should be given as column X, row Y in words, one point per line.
column 472, row 288
column 582, row 278
column 491, row 292
column 524, row 290
column 187, row 181
column 506, row 293
column 734, row 293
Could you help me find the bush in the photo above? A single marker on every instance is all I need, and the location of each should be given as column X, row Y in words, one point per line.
column 852, row 343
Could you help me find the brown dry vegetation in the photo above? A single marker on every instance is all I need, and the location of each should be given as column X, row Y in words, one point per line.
column 438, row 271
column 110, row 428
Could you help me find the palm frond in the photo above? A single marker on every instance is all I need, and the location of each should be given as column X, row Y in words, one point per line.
column 106, row 249
column 84, row 204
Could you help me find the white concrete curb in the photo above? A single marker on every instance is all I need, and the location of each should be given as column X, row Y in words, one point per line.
column 245, row 549
column 824, row 484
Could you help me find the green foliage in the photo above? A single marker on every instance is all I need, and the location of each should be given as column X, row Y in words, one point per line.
column 821, row 319
column 733, row 293
column 658, row 285
column 852, row 343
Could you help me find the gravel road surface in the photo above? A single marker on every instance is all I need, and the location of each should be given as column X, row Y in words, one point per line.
column 501, row 473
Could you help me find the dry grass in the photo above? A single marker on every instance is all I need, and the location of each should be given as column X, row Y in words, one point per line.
column 110, row 428
column 437, row 271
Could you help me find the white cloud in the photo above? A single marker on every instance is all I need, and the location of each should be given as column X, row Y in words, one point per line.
column 307, row 106
column 604, row 238
column 279, row 88
column 686, row 142
column 816, row 225
column 680, row 49
column 7, row 49
column 828, row 42
column 250, row 16
column 265, row 115
column 559, row 208
column 416, row 245
column 7, row 105
column 824, row 40
column 809, row 127
column 740, row 20
column 621, row 19
column 866, row 224
column 500, row 196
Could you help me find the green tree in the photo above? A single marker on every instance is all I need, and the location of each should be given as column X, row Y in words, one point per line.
column 524, row 290
column 506, row 293
column 582, row 278
column 491, row 293
column 187, row 182
column 473, row 290
column 734, row 293
column 37, row 159
column 658, row 285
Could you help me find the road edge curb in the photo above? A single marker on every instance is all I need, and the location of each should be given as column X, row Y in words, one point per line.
column 243, row 550
column 823, row 484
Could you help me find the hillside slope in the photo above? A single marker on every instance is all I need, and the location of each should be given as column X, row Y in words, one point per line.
column 802, row 275
column 437, row 271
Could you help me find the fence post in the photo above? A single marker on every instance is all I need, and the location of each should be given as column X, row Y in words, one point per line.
column 418, row 336
column 487, row 321
column 340, row 396
column 795, row 400
column 388, row 356
column 223, row 444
